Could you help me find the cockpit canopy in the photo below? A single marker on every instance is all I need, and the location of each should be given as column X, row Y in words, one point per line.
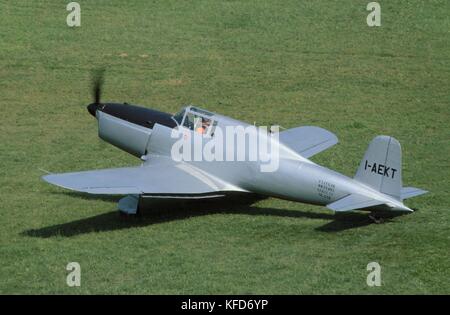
column 196, row 119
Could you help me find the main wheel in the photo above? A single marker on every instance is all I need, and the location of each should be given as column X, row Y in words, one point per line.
column 375, row 219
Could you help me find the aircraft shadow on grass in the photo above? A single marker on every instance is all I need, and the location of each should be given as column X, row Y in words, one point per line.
column 169, row 212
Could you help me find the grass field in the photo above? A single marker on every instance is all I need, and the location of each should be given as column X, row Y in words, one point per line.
column 287, row 62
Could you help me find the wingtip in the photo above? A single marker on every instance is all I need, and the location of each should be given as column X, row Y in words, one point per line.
column 45, row 178
column 49, row 178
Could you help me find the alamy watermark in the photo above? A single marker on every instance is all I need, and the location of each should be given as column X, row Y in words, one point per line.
column 74, row 277
column 374, row 276
column 74, row 17
column 374, row 17
column 232, row 143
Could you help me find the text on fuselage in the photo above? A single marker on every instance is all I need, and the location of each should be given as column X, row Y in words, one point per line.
column 380, row 169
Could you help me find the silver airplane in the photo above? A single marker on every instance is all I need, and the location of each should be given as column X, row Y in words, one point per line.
column 148, row 135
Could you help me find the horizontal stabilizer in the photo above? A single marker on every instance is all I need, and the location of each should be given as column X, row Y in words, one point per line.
column 409, row 192
column 353, row 202
column 308, row 140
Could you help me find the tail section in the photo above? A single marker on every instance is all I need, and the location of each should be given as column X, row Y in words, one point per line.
column 381, row 167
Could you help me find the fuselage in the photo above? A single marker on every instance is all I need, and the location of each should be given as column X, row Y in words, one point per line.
column 144, row 132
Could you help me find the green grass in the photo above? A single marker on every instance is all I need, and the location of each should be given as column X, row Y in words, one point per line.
column 287, row 62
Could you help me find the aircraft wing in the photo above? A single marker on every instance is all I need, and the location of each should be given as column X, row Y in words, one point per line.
column 308, row 140
column 159, row 176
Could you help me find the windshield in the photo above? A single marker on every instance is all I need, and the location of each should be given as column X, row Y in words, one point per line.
column 200, row 111
column 178, row 117
column 196, row 119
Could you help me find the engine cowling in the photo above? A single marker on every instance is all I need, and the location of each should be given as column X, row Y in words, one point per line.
column 123, row 134
column 128, row 127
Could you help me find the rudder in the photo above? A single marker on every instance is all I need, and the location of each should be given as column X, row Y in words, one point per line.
column 381, row 167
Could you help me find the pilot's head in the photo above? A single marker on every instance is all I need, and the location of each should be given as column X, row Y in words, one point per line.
column 205, row 123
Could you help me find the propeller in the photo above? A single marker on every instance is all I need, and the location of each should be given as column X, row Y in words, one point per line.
column 97, row 83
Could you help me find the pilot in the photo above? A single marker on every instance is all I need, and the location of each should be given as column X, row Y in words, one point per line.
column 204, row 127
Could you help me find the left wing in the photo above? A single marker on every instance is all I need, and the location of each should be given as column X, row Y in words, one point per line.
column 159, row 176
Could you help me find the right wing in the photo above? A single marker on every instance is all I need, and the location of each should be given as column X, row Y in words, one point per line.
column 159, row 177
column 308, row 140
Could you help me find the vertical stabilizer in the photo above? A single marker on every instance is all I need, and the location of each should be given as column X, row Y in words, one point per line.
column 381, row 167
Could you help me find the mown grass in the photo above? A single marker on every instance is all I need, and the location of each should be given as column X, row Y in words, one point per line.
column 287, row 62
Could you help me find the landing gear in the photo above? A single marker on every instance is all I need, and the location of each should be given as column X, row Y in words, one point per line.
column 375, row 219
column 129, row 206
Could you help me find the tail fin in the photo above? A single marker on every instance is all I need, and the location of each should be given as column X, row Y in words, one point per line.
column 381, row 167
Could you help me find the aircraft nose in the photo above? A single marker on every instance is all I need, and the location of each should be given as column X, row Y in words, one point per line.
column 92, row 108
